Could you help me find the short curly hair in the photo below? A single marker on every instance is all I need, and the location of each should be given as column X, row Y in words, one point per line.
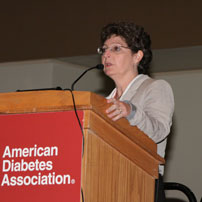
column 136, row 39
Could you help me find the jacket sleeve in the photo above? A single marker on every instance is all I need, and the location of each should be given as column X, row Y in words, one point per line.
column 154, row 114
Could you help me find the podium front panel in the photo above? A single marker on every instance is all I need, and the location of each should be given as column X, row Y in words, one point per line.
column 40, row 157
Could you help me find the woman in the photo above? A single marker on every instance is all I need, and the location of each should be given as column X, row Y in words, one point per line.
column 144, row 102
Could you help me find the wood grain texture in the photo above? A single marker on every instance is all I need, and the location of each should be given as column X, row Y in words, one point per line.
column 109, row 176
column 124, row 145
column 42, row 101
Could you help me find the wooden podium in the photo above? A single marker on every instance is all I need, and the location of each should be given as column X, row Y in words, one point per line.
column 119, row 163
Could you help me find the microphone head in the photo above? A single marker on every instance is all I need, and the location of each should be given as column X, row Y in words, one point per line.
column 100, row 66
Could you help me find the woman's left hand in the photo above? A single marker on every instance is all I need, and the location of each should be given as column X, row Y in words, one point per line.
column 118, row 109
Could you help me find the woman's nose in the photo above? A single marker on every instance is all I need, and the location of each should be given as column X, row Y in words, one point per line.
column 107, row 53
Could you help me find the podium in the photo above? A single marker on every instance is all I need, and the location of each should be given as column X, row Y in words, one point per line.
column 109, row 161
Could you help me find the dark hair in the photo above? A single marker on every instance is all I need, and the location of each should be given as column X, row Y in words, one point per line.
column 135, row 37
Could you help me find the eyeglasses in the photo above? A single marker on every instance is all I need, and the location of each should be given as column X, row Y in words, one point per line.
column 114, row 48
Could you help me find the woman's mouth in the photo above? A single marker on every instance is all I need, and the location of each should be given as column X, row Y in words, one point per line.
column 108, row 64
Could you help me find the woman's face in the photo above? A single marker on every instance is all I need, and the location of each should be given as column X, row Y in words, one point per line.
column 118, row 59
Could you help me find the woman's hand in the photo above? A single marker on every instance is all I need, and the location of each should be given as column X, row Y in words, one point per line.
column 118, row 109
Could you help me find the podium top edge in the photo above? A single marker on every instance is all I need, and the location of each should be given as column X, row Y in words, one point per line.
column 42, row 101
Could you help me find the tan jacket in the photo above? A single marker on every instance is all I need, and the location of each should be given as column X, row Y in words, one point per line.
column 154, row 104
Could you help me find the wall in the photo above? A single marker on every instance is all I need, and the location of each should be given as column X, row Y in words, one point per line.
column 184, row 154
column 49, row 29
column 25, row 75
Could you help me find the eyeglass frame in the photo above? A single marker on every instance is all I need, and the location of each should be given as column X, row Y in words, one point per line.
column 102, row 50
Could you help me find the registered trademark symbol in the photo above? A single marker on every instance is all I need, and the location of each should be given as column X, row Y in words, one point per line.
column 73, row 181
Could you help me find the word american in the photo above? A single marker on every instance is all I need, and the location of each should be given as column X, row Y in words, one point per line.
column 30, row 152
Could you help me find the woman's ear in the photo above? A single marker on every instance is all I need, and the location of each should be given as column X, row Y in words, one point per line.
column 138, row 57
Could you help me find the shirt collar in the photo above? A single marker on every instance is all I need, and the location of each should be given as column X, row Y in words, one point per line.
column 113, row 93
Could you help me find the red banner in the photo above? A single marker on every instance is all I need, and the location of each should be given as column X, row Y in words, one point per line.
column 40, row 157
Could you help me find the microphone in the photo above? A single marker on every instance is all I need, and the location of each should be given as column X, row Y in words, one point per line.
column 99, row 66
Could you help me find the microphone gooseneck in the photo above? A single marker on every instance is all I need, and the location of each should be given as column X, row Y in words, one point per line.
column 99, row 66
